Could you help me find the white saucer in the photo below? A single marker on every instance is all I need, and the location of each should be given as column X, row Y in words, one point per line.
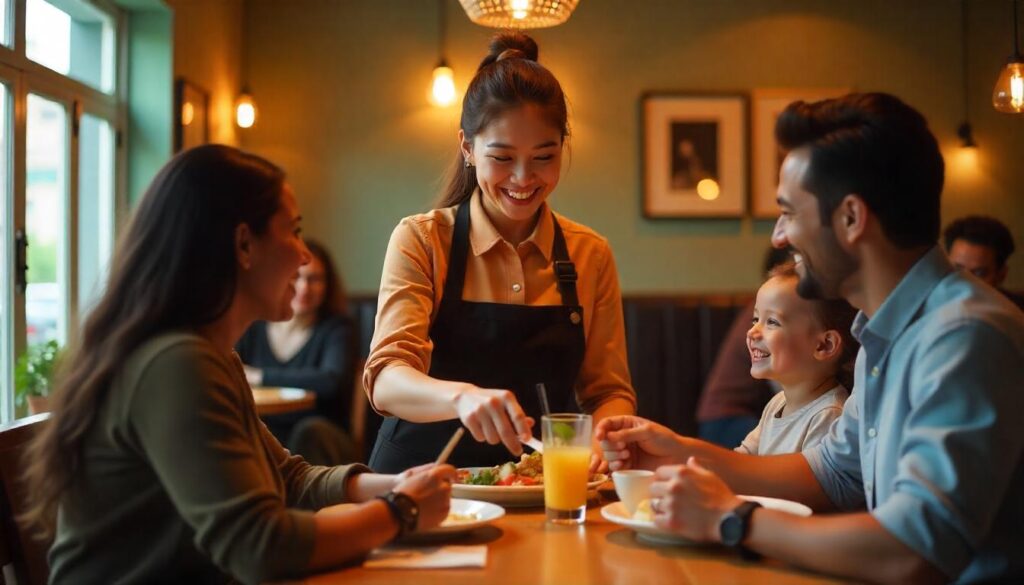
column 647, row 531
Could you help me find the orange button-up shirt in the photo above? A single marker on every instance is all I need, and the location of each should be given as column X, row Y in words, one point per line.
column 412, row 284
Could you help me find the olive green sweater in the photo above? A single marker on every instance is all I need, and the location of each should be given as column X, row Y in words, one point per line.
column 181, row 483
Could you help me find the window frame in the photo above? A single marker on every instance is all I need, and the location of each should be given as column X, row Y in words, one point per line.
column 24, row 76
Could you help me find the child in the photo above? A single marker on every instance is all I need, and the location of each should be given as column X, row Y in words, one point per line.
column 806, row 347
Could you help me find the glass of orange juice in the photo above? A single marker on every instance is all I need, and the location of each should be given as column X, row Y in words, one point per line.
column 566, row 466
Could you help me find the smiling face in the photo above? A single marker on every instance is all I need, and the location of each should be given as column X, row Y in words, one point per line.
column 821, row 262
column 518, row 159
column 271, row 260
column 784, row 333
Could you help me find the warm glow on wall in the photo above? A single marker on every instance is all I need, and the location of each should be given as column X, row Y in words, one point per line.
column 245, row 111
column 188, row 113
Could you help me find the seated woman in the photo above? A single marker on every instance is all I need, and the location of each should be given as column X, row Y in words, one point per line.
column 154, row 466
column 314, row 350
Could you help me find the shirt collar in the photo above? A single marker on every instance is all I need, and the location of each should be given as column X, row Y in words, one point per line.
column 902, row 304
column 483, row 235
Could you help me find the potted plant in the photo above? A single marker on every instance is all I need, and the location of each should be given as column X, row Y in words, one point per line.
column 33, row 376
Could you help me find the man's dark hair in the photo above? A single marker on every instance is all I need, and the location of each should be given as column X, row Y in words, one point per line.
column 981, row 230
column 875, row 146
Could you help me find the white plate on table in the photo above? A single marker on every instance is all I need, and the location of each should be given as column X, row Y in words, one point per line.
column 482, row 513
column 647, row 531
column 512, row 495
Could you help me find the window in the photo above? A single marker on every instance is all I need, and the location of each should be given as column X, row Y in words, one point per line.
column 59, row 193
column 6, row 235
column 45, row 197
column 73, row 38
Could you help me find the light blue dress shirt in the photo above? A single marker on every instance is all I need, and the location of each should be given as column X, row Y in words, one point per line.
column 932, row 437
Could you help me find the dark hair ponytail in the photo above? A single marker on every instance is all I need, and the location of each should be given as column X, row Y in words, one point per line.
column 507, row 78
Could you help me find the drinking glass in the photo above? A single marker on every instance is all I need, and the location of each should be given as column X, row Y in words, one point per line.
column 566, row 466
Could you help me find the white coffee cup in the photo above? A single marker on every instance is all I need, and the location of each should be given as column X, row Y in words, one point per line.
column 633, row 486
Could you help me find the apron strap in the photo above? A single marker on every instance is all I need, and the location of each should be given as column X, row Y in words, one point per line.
column 457, row 256
column 565, row 270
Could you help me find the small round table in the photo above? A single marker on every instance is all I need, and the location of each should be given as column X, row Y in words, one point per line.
column 282, row 400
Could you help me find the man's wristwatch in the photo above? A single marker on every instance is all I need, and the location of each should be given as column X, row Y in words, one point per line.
column 735, row 525
column 404, row 509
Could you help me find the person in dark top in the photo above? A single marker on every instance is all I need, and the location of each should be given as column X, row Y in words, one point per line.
column 732, row 400
column 314, row 350
column 153, row 466
column 981, row 245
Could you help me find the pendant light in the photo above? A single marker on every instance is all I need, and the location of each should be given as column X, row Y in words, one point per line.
column 245, row 105
column 442, row 87
column 519, row 14
column 965, row 132
column 1008, row 95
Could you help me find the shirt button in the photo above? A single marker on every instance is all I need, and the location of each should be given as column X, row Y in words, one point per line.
column 517, row 287
column 867, row 486
column 875, row 371
column 872, row 432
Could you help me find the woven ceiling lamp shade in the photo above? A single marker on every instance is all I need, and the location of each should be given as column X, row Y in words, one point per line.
column 519, row 14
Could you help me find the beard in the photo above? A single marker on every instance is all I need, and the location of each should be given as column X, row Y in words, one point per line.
column 836, row 266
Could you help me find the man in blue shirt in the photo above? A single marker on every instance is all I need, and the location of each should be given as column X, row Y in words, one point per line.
column 925, row 465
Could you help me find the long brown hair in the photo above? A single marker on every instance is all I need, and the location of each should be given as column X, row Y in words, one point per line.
column 335, row 300
column 508, row 77
column 174, row 268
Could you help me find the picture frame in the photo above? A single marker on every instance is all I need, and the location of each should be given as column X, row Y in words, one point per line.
column 766, row 155
column 191, row 120
column 695, row 162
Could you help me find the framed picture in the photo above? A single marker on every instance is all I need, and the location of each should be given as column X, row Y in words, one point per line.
column 191, row 127
column 767, row 156
column 694, row 155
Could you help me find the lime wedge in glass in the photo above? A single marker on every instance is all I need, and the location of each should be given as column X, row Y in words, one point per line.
column 563, row 431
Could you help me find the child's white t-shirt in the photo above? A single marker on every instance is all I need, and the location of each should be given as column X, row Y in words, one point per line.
column 794, row 431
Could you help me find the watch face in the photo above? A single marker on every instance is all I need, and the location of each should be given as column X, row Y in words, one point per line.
column 731, row 529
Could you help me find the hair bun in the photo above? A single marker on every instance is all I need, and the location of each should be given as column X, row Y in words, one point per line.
column 510, row 45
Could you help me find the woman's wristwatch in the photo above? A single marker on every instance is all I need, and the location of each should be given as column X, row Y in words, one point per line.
column 404, row 509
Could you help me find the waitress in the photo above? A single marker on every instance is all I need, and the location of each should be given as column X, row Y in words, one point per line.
column 493, row 292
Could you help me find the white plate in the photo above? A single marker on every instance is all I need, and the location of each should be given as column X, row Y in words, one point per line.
column 485, row 513
column 648, row 531
column 512, row 495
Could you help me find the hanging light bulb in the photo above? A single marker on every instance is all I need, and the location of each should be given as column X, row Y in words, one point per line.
column 442, row 90
column 1008, row 95
column 245, row 110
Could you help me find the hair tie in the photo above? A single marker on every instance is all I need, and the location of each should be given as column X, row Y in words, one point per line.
column 510, row 54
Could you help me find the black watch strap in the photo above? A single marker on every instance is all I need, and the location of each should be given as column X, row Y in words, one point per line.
column 404, row 510
column 737, row 523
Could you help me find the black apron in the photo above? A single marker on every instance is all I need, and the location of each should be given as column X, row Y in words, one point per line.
column 492, row 345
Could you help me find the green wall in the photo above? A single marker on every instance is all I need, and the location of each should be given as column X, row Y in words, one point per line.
column 150, row 96
column 341, row 88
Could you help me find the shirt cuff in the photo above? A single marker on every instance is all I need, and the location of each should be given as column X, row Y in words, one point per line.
column 917, row 524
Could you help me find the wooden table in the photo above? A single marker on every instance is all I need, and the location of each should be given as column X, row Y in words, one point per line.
column 524, row 549
column 281, row 400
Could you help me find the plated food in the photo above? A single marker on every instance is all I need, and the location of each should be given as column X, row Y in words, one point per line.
column 463, row 516
column 516, row 483
column 642, row 521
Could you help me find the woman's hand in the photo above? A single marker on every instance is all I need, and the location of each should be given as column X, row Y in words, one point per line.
column 690, row 501
column 493, row 416
column 430, row 486
column 631, row 442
